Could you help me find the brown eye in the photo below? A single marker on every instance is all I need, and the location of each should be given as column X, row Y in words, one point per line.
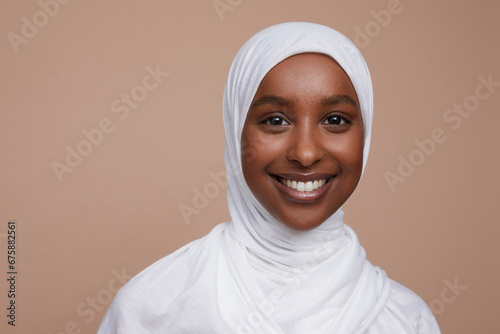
column 276, row 121
column 336, row 120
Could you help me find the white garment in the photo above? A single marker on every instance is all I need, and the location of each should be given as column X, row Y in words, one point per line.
column 254, row 274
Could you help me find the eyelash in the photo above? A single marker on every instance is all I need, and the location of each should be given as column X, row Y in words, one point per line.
column 344, row 121
column 268, row 119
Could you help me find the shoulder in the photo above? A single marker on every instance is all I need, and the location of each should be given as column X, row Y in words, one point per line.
column 166, row 276
column 404, row 313
column 406, row 304
column 152, row 292
column 406, row 298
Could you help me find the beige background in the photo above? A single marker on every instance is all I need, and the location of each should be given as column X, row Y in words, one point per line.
column 118, row 210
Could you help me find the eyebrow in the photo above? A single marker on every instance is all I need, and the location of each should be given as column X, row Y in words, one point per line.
column 272, row 99
column 339, row 99
column 330, row 100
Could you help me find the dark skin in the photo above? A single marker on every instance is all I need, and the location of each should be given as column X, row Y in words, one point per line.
column 303, row 125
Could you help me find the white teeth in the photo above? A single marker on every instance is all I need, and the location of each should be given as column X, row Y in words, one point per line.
column 302, row 186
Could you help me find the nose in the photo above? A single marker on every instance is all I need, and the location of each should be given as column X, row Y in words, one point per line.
column 305, row 147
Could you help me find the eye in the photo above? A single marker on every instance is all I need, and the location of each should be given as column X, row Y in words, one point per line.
column 275, row 121
column 336, row 120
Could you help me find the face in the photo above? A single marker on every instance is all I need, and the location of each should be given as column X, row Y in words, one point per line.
column 302, row 143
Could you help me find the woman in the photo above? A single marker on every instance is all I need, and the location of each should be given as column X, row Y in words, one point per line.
column 297, row 117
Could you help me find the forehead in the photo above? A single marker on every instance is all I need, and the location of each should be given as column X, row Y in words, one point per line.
column 306, row 76
column 305, row 58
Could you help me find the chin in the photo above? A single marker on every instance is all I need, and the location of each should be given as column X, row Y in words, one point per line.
column 302, row 225
column 303, row 228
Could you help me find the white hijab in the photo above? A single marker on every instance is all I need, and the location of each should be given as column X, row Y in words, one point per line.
column 253, row 225
column 343, row 293
column 254, row 274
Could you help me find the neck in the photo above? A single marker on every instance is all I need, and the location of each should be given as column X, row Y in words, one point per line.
column 273, row 242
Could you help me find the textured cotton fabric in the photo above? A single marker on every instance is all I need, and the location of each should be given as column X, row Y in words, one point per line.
column 254, row 274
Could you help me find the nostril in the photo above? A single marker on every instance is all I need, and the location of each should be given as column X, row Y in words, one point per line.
column 305, row 154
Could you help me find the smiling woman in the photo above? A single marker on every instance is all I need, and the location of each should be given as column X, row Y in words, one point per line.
column 297, row 117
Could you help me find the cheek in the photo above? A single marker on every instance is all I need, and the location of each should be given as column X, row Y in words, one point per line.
column 254, row 156
column 348, row 152
column 251, row 148
column 258, row 149
column 354, row 157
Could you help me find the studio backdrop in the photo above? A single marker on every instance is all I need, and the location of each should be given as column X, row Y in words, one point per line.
column 112, row 142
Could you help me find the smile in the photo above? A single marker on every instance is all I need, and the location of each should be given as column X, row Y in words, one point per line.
column 302, row 186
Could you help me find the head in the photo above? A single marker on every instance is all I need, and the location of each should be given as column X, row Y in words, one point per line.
column 303, row 140
column 297, row 107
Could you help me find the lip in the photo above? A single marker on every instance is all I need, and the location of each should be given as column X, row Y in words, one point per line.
column 304, row 177
column 303, row 197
